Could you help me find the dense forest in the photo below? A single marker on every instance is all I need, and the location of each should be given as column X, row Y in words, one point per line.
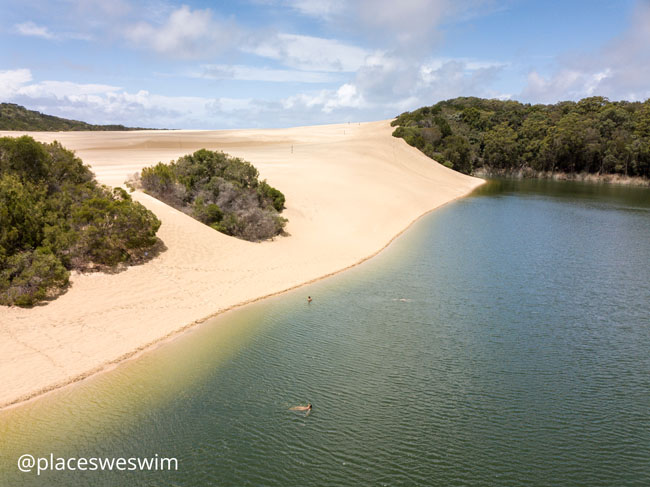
column 54, row 217
column 593, row 135
column 221, row 191
column 16, row 117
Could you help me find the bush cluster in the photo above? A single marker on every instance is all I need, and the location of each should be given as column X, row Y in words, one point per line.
column 221, row 191
column 593, row 135
column 54, row 217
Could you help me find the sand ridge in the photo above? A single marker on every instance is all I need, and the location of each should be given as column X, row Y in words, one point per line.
column 350, row 188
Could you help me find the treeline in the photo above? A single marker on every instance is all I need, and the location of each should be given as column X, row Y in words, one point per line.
column 221, row 191
column 593, row 135
column 54, row 217
column 16, row 117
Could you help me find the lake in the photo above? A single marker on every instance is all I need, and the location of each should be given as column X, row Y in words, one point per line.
column 504, row 339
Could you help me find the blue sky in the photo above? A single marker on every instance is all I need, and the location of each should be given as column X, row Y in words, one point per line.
column 279, row 63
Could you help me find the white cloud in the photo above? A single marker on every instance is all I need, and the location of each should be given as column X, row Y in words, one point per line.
column 317, row 8
column 105, row 104
column 225, row 104
column 618, row 70
column 102, row 8
column 562, row 85
column 411, row 22
column 33, row 30
column 186, row 33
column 63, row 89
column 406, row 24
column 96, row 103
column 386, row 86
column 391, row 82
column 311, row 53
column 12, row 80
column 252, row 73
column 346, row 96
column 326, row 101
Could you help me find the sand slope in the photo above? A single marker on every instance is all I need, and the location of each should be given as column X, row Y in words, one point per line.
column 350, row 189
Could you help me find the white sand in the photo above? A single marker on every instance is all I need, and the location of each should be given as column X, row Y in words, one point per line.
column 350, row 190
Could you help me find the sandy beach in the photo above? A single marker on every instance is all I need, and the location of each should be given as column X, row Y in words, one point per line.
column 350, row 189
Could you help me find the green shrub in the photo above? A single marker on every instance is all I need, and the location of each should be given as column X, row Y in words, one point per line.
column 31, row 276
column 221, row 191
column 267, row 191
column 54, row 218
column 206, row 213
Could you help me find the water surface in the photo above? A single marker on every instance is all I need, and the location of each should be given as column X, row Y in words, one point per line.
column 503, row 340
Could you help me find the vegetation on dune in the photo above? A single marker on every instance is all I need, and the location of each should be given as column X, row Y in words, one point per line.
column 16, row 117
column 221, row 191
column 593, row 136
column 54, row 217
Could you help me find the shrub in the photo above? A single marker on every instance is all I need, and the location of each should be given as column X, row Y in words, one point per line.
column 28, row 277
column 54, row 218
column 221, row 191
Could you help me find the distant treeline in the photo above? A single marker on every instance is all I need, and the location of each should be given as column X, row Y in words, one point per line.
column 16, row 117
column 54, row 217
column 221, row 191
column 593, row 136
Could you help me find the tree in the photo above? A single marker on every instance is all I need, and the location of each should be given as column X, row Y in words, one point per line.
column 593, row 135
column 457, row 151
column 501, row 149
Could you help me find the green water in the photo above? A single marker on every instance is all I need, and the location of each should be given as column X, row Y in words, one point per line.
column 503, row 340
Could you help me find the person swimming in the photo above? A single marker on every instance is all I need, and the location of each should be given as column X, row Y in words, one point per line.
column 309, row 299
column 308, row 407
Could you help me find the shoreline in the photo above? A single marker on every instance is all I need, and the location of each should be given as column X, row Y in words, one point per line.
column 581, row 177
column 149, row 347
column 74, row 322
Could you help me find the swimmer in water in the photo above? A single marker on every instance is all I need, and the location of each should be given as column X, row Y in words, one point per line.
column 308, row 407
column 309, row 299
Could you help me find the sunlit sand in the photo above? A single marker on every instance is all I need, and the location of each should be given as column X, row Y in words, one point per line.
column 350, row 189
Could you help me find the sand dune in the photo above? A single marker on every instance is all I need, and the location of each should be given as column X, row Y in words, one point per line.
column 350, row 189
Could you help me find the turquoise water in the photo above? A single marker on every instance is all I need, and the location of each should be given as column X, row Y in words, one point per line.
column 503, row 340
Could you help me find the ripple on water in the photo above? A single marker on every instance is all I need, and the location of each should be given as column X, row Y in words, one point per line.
column 501, row 341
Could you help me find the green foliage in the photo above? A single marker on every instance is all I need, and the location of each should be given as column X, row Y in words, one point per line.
column 206, row 213
column 221, row 191
column 457, row 154
column 54, row 218
column 159, row 179
column 16, row 117
column 593, row 135
column 267, row 191
column 500, row 147
column 21, row 214
column 108, row 230
column 31, row 276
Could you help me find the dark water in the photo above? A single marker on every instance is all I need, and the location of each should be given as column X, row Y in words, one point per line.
column 503, row 340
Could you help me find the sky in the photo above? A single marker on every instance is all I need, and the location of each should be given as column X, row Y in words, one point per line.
column 278, row 63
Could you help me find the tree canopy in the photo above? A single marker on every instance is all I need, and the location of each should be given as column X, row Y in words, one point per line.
column 16, row 117
column 594, row 135
column 54, row 217
column 221, row 191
